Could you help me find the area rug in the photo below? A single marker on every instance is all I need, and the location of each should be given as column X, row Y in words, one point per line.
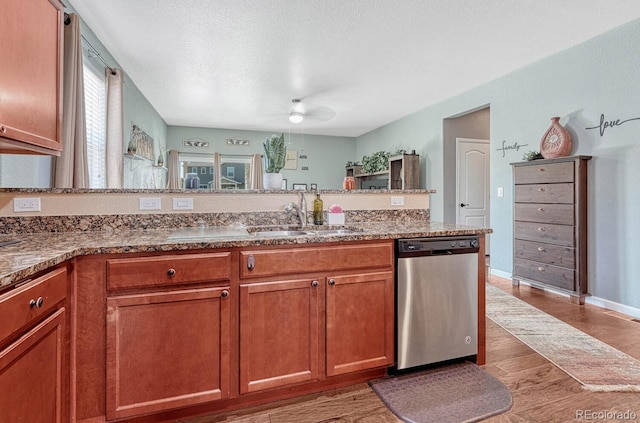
column 460, row 392
column 595, row 364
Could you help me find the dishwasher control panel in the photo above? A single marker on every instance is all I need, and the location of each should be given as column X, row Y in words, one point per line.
column 439, row 245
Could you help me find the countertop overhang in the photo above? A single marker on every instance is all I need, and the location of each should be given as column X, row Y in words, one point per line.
column 40, row 251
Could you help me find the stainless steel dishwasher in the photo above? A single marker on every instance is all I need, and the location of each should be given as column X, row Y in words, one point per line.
column 436, row 300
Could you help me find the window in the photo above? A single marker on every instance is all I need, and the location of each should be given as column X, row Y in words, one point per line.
column 192, row 162
column 95, row 118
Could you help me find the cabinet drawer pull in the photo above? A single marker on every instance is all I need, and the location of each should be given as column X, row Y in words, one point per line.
column 540, row 209
column 171, row 272
column 36, row 303
column 3, row 129
column 224, row 294
column 251, row 262
column 541, row 249
column 541, row 229
column 541, row 269
column 332, row 281
column 314, row 284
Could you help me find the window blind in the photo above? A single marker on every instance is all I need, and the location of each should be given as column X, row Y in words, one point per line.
column 95, row 120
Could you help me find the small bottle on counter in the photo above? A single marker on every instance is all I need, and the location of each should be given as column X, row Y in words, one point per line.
column 317, row 210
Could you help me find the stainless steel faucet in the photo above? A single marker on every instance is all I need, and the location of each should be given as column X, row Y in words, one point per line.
column 299, row 210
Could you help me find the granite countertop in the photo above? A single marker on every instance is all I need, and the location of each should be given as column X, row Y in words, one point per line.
column 37, row 252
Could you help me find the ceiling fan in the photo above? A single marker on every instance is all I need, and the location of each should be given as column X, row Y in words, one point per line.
column 301, row 110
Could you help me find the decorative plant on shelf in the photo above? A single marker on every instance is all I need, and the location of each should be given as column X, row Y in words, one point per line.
column 376, row 162
column 350, row 163
column 532, row 155
column 275, row 153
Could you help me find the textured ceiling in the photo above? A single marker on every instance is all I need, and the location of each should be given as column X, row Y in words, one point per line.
column 357, row 64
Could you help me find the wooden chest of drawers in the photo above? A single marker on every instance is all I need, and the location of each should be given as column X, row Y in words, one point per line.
column 550, row 224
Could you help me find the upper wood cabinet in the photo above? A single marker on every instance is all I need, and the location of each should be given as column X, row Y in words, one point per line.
column 31, row 41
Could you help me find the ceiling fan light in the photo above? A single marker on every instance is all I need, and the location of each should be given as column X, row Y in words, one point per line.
column 296, row 117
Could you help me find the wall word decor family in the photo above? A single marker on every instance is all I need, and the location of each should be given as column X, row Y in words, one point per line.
column 514, row 146
column 604, row 124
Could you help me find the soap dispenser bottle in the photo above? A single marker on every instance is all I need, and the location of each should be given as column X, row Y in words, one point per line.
column 317, row 209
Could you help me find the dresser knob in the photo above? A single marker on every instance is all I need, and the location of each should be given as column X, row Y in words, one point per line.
column 540, row 209
column 541, row 190
column 541, row 169
column 541, row 269
column 541, row 249
column 171, row 272
column 541, row 229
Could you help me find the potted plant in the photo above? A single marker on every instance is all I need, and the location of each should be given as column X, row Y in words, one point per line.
column 275, row 155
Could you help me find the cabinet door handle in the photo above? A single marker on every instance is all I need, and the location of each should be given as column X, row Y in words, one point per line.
column 171, row 272
column 224, row 294
column 3, row 129
column 251, row 262
column 36, row 303
column 314, row 284
column 332, row 281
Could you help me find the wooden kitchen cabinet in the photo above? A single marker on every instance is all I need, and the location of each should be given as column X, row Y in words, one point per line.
column 360, row 319
column 279, row 333
column 167, row 350
column 167, row 346
column 550, row 224
column 31, row 41
column 336, row 321
column 34, row 367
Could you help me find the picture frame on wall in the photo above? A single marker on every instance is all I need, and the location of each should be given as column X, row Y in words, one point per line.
column 314, row 187
column 300, row 187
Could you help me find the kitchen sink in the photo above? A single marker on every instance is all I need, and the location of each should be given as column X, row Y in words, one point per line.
column 210, row 232
column 281, row 233
column 333, row 231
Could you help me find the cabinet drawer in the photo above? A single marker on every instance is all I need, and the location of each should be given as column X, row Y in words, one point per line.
column 561, row 214
column 29, row 302
column 544, row 173
column 139, row 272
column 275, row 262
column 545, row 253
column 545, row 232
column 544, row 193
column 552, row 275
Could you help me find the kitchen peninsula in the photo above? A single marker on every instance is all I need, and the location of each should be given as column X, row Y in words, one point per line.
column 285, row 312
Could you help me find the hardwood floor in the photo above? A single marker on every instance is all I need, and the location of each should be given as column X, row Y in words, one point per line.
column 541, row 391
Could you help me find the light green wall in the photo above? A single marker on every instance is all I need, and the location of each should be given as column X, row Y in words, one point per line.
column 579, row 84
column 326, row 156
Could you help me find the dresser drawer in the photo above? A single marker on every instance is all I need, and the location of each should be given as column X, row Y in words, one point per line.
column 544, row 173
column 174, row 269
column 545, row 232
column 545, row 253
column 551, row 275
column 561, row 214
column 544, row 193
column 29, row 302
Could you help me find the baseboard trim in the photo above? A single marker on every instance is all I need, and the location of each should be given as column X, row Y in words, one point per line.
column 592, row 300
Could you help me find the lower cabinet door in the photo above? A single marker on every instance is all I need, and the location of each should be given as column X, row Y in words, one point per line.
column 32, row 375
column 359, row 322
column 167, row 350
column 279, row 334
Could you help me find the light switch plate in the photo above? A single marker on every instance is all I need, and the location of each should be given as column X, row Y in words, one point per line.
column 500, row 191
column 150, row 203
column 26, row 204
column 183, row 203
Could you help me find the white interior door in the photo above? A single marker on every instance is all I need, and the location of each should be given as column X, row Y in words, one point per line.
column 472, row 185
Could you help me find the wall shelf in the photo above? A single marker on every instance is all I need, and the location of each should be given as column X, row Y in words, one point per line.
column 403, row 173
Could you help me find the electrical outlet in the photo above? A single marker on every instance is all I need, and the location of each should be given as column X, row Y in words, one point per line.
column 26, row 204
column 397, row 200
column 183, row 203
column 150, row 203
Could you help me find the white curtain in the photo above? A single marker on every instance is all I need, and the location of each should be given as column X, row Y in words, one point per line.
column 217, row 166
column 115, row 129
column 256, row 171
column 71, row 169
column 173, row 166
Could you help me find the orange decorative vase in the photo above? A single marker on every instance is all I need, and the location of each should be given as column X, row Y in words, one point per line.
column 556, row 142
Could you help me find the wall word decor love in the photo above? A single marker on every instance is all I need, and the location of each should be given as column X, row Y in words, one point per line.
column 604, row 124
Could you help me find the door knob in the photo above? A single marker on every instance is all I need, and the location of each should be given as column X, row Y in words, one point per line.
column 463, row 205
